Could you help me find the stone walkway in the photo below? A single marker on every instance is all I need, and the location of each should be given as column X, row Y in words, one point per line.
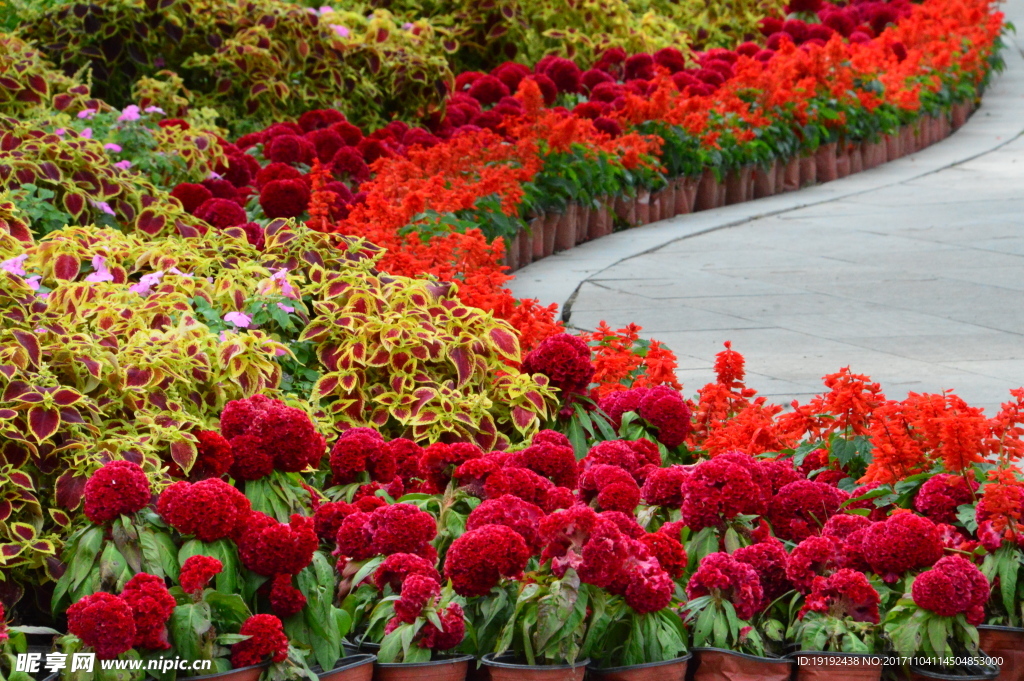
column 912, row 273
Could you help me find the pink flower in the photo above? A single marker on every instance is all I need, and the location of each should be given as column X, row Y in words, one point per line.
column 86, row 114
column 14, row 265
column 110, row 146
column 130, row 113
column 99, row 263
column 239, row 319
column 123, row 165
column 340, row 30
column 146, row 283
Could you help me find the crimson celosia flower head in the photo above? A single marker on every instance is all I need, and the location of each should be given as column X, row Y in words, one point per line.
column 209, row 509
column 550, row 455
column 290, row 149
column 191, row 196
column 196, row 573
column 269, row 548
column 439, row 461
column 813, row 557
column 213, row 457
column 328, row 519
column 902, row 543
column 769, row 559
column 563, row 73
column 721, row 488
column 845, row 593
column 359, row 450
column 265, row 432
column 488, row 90
column 221, row 213
column 152, row 605
column 512, row 512
column 104, row 622
column 953, row 586
column 941, row 495
column 613, row 488
column 266, row 639
column 736, row 582
column 398, row 566
column 118, row 488
column 453, row 630
column 638, row 66
column 478, row 559
column 664, row 487
column 802, row 508
column 285, row 599
column 565, row 360
column 284, row 198
column 402, row 528
column 670, row 553
column 417, row 591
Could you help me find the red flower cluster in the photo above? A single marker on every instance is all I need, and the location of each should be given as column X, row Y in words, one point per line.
column 266, row 639
column 285, row 599
column 118, row 488
column 845, row 593
column 639, row 458
column 769, row 559
column 210, row 509
column 196, row 573
column 361, row 450
column 549, row 455
column 451, row 633
column 664, row 487
column 266, row 434
column 439, row 461
column 661, row 407
column 417, row 592
column 478, row 559
column 722, row 575
column 398, row 528
column 670, row 553
column 213, row 456
column 152, row 605
column 398, row 566
column 815, row 556
column 512, row 512
column 270, row 548
column 902, row 543
column 104, row 622
column 719, row 489
column 613, row 488
column 953, row 586
column 801, row 508
column 941, row 495
column 565, row 360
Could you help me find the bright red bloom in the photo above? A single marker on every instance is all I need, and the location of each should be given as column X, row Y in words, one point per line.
column 269, row 548
column 779, row 473
column 719, row 489
column 512, row 512
column 550, row 455
column 663, row 408
column 488, row 90
column 844, row 594
column 221, row 213
column 213, row 457
column 209, row 509
column 613, row 488
column 649, row 586
column 398, row 566
column 118, row 488
column 953, row 586
column 417, row 591
column 284, row 198
column 326, row 142
column 104, row 622
column 663, row 487
column 285, row 599
column 191, row 196
column 328, row 519
column 813, row 557
column 802, row 508
column 406, row 454
column 318, row 119
column 440, row 460
column 736, row 582
column 290, row 149
column 638, row 66
column 453, row 630
column 397, row 528
column 276, row 171
column 902, row 543
column 565, row 360
column 478, row 559
column 349, row 164
column 267, row 434
column 941, row 495
column 266, row 638
column 563, row 73
column 769, row 559
column 359, row 450
column 639, row 457
column 196, row 573
column 152, row 605
column 670, row 553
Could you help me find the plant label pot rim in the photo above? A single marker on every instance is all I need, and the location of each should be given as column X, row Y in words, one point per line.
column 349, row 662
column 454, row 659
column 490, row 660
column 608, row 670
column 772, row 660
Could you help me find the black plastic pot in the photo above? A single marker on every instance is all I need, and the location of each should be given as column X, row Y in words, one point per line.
column 666, row 670
column 507, row 668
column 715, row 664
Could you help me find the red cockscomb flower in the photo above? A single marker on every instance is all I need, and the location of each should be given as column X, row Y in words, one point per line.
column 104, row 622
column 846, row 593
column 289, row 149
column 276, row 171
column 768, row 558
column 953, row 586
column 191, row 196
column 664, row 487
column 269, row 548
column 118, row 488
column 266, row 638
column 478, row 559
column 670, row 553
column 402, row 528
column 320, row 118
column 902, row 543
column 285, row 599
column 326, row 142
column 510, row 511
column 213, row 458
column 284, row 198
column 721, row 488
column 267, row 434
column 398, row 566
column 417, row 591
column 361, row 450
column 736, row 582
column 941, row 495
column 802, row 508
column 152, row 605
column 639, row 457
column 439, row 461
column 565, row 360
column 488, row 90
column 638, row 67
column 564, row 74
column 815, row 556
column 221, row 213
column 613, row 488
column 550, row 455
column 196, row 573
column 209, row 509
column 328, row 519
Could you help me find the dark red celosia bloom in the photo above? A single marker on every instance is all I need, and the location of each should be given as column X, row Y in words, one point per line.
column 482, row 478
column 877, row 512
column 398, row 528
column 406, row 454
column 354, row 537
column 326, row 142
column 488, row 90
column 284, row 198
column 564, row 74
column 512, row 512
column 719, row 489
column 361, row 450
column 941, row 495
column 276, row 171
column 565, row 360
column 768, row 558
column 196, row 573
column 608, row 126
column 550, row 455
column 627, row 524
column 721, row 574
column 398, row 566
column 804, row 6
column 670, row 553
column 269, row 548
column 285, row 599
column 844, row 594
column 639, row 457
column 849, row 529
column 349, row 164
column 191, row 196
column 778, row 473
column 478, row 559
column 439, row 461
column 104, row 622
column 802, row 508
column 612, row 487
column 813, row 557
column 453, row 630
column 266, row 639
column 638, row 67
column 152, row 605
column 663, row 408
column 328, row 519
column 664, row 487
column 254, row 235
column 671, row 58
column 649, row 586
column 237, row 170
column 953, row 586
column 289, row 149
column 417, row 591
column 902, row 543
column 209, row 509
column 267, row 434
column 221, row 213
column 511, row 74
column 213, row 457
column 118, row 488
column 320, row 118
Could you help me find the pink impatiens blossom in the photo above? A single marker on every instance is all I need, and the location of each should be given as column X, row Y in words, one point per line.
column 99, row 263
column 239, row 319
column 130, row 113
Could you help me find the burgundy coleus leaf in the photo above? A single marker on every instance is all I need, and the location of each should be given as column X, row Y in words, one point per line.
column 21, row 479
column 14, row 454
column 69, row 490
column 139, row 377
column 5, row 510
column 17, row 391
column 504, row 342
column 66, row 267
column 150, row 222
column 65, row 397
column 6, row 414
column 43, row 422
column 10, row 550
column 30, row 343
column 463, row 364
column 184, row 454
column 22, row 531
column 74, row 204
column 60, row 517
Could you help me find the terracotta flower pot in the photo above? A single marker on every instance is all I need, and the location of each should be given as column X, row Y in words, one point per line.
column 707, row 192
column 526, row 241
column 668, row 201
column 894, row 146
column 538, row 232
column 825, row 163
column 582, row 223
column 625, row 209
column 252, row 673
column 820, row 666
column 842, row 164
column 1007, row 643
column 960, row 113
column 452, row 668
column 764, row 180
column 351, row 668
column 551, row 224
column 656, row 206
column 504, row 668
column 791, row 175
column 714, row 664
column 565, row 234
column 874, row 154
column 808, row 171
column 669, row 670
column 690, row 186
column 737, row 185
column 595, row 222
column 511, row 258
column 643, row 207
column 856, row 158
column 683, row 205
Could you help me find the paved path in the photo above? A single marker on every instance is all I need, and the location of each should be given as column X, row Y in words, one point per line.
column 912, row 273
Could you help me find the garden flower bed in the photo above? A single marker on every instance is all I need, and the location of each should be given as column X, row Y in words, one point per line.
column 267, row 404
